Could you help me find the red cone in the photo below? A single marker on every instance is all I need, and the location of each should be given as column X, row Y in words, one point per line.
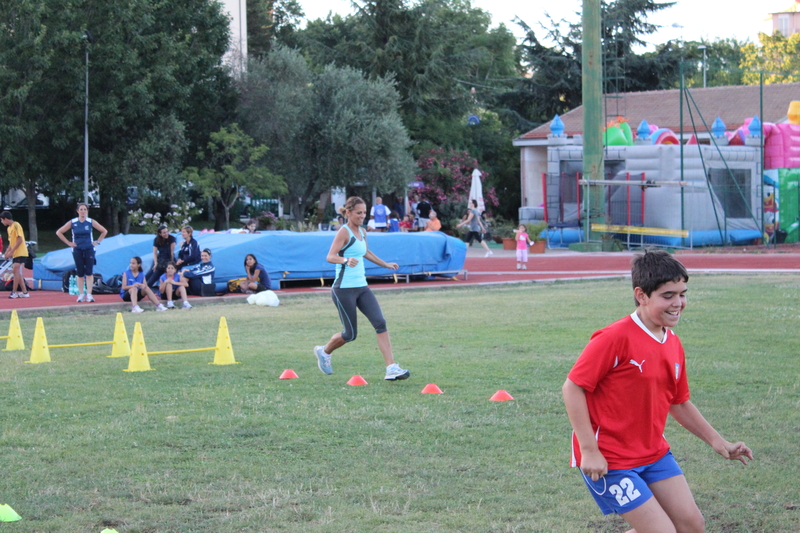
column 357, row 380
column 501, row 396
column 431, row 388
column 289, row 374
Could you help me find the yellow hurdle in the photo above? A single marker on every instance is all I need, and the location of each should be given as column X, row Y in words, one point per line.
column 40, row 351
column 140, row 362
column 14, row 340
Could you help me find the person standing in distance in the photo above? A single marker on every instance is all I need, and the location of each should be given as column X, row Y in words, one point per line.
column 476, row 229
column 379, row 213
column 630, row 376
column 350, row 291
column 18, row 250
column 83, row 248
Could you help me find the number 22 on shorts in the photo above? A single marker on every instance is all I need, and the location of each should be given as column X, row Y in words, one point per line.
column 625, row 492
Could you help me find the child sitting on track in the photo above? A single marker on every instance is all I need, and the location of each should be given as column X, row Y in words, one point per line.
column 135, row 289
column 171, row 282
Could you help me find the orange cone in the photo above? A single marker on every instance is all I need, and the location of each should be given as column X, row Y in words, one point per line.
column 289, row 374
column 431, row 388
column 357, row 380
column 501, row 396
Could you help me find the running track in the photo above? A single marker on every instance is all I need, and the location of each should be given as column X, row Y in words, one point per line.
column 498, row 269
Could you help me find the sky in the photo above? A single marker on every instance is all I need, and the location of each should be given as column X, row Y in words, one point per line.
column 700, row 19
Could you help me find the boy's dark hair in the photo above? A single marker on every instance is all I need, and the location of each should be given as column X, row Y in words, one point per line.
column 654, row 268
column 7, row 215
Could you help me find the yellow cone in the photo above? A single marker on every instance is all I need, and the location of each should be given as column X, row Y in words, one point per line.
column 40, row 353
column 223, row 355
column 15, row 340
column 138, row 360
column 120, row 348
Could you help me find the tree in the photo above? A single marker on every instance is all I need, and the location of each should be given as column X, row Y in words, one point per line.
column 149, row 59
column 269, row 20
column 331, row 129
column 447, row 177
column 778, row 57
column 553, row 84
column 233, row 163
column 435, row 50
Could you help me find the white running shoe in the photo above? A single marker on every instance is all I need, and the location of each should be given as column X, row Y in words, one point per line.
column 137, row 309
column 323, row 360
column 186, row 305
column 23, row 295
column 89, row 298
column 161, row 307
column 80, row 299
column 394, row 372
column 524, row 267
column 13, row 295
column 170, row 304
column 489, row 253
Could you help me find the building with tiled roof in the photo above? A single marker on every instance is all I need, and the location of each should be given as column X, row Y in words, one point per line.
column 732, row 104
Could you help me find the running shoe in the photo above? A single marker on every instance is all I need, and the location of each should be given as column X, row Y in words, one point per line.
column 170, row 304
column 137, row 309
column 161, row 307
column 80, row 299
column 323, row 360
column 23, row 295
column 524, row 267
column 394, row 372
column 489, row 254
column 89, row 298
column 13, row 295
column 187, row 305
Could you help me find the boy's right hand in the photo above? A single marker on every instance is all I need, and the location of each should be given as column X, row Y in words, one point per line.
column 593, row 464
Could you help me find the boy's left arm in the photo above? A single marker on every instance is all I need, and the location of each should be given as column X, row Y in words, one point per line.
column 687, row 415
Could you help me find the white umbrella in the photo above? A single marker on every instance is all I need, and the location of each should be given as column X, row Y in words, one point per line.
column 476, row 190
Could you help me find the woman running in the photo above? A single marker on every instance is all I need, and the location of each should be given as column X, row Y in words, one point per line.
column 350, row 290
column 83, row 247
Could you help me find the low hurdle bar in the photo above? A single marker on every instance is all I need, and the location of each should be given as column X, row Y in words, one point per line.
column 40, row 351
column 14, row 340
column 140, row 362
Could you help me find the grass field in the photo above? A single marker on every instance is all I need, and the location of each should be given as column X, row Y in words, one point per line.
column 192, row 447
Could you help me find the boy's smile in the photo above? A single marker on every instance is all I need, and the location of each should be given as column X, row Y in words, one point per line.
column 662, row 309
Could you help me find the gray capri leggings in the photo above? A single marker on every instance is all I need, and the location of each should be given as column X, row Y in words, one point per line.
column 348, row 300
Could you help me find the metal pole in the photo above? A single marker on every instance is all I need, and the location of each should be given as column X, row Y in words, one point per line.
column 592, row 71
column 86, row 136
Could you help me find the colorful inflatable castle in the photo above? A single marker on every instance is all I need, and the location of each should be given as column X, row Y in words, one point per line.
column 725, row 196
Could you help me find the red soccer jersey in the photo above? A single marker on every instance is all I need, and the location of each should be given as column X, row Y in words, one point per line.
column 631, row 381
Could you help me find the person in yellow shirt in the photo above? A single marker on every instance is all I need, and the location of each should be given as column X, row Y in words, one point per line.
column 433, row 224
column 18, row 251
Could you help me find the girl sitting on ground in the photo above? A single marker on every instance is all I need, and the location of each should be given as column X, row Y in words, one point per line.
column 135, row 289
column 257, row 276
column 170, row 283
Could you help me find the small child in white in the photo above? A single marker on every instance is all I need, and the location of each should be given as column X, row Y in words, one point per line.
column 523, row 242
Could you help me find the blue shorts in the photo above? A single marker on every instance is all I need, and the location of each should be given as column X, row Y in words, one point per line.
column 621, row 491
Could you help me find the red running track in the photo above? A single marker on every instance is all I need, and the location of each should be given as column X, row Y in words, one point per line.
column 500, row 268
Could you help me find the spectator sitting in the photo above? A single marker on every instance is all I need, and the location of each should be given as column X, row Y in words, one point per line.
column 199, row 274
column 171, row 282
column 163, row 253
column 434, row 224
column 134, row 288
column 408, row 223
column 394, row 222
column 257, row 276
column 189, row 253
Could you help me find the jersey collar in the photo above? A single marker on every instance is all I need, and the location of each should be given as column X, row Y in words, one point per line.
column 639, row 323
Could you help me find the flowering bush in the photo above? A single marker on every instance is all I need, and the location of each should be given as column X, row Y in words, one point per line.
column 175, row 219
column 447, row 176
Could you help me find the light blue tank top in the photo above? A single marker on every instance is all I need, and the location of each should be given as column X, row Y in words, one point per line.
column 351, row 277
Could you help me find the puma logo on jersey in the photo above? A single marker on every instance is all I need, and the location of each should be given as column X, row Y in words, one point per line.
column 639, row 365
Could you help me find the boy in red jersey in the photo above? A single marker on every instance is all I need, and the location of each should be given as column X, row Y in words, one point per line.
column 618, row 394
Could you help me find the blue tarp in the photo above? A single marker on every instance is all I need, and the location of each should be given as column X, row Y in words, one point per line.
column 285, row 254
